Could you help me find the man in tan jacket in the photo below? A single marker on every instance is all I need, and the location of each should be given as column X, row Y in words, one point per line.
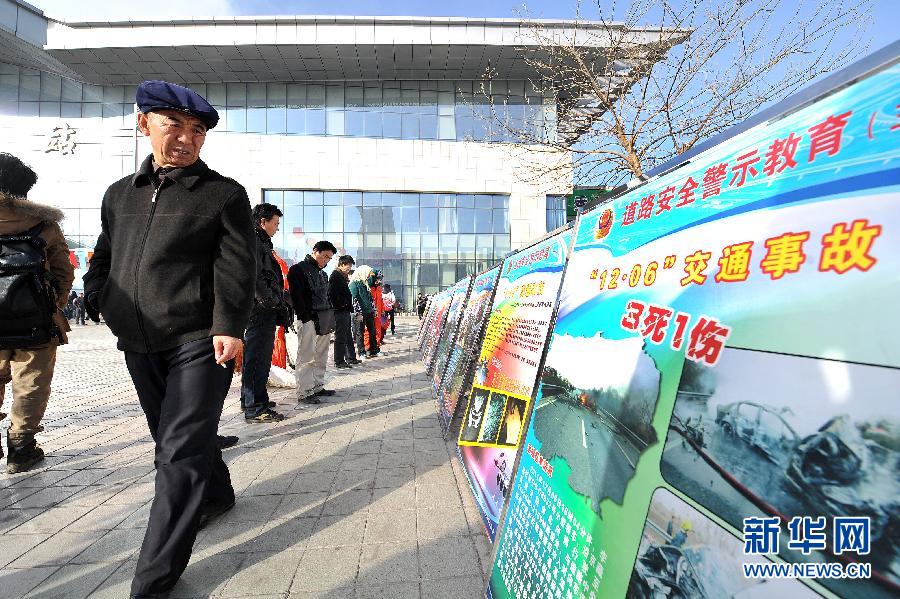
column 28, row 365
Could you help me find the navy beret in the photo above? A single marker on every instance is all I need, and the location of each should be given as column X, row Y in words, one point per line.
column 162, row 95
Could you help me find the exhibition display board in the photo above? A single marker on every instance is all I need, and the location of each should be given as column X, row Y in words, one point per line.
column 507, row 366
column 723, row 370
column 461, row 363
column 440, row 304
column 425, row 322
column 459, row 293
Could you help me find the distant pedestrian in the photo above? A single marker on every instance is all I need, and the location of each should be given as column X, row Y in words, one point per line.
column 78, row 304
column 378, row 302
column 339, row 293
column 31, row 319
column 390, row 305
column 270, row 309
column 360, row 289
column 421, row 303
column 309, row 291
column 172, row 274
column 69, row 310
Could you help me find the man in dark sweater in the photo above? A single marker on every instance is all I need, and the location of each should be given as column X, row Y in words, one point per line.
column 169, row 274
column 309, row 292
column 339, row 293
column 269, row 310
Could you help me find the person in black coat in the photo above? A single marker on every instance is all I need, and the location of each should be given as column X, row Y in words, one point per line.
column 169, row 274
column 339, row 293
column 269, row 310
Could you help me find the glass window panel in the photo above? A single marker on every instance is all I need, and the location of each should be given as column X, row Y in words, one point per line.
column 430, row 246
column 236, row 119
column 50, row 87
column 391, row 94
column 391, row 246
column 410, row 243
column 428, row 126
column 391, row 125
column 91, row 110
column 333, row 198
column 409, row 126
column 465, row 200
column 483, row 221
column 394, row 199
column 312, row 218
column 296, row 121
column 373, row 96
column 429, row 200
column 372, row 219
column 485, row 246
column 499, row 201
column 293, row 198
column 296, row 95
column 49, row 109
column 276, row 94
column 465, row 219
column 276, row 120
column 315, row 122
column 29, row 87
column 334, row 121
column 429, row 274
column 354, row 124
column 448, row 274
column 393, row 219
column 409, row 97
column 312, row 197
column 446, row 103
column 315, row 96
column 467, row 247
column 372, row 124
column 273, row 196
column 410, row 219
column 446, row 127
column 501, row 245
column 236, row 94
column 215, row 94
column 501, row 221
column 113, row 94
column 428, row 102
column 374, row 246
column 371, row 198
column 9, row 88
column 448, row 220
column 256, row 120
column 353, row 198
column 70, row 110
column 353, row 97
column 334, row 218
column 446, row 200
column 334, row 96
column 352, row 244
column 9, row 108
column 428, row 220
column 352, row 219
column 256, row 94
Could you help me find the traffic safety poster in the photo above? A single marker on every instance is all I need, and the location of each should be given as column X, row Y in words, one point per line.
column 718, row 414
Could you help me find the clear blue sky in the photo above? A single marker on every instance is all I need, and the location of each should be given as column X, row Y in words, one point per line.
column 883, row 31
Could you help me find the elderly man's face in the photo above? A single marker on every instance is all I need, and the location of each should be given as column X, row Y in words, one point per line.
column 322, row 258
column 176, row 137
column 270, row 226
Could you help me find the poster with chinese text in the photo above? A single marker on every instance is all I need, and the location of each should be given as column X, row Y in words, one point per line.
column 507, row 366
column 720, row 392
column 459, row 293
column 468, row 342
column 440, row 304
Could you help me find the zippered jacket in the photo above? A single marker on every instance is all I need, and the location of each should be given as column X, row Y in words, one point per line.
column 176, row 263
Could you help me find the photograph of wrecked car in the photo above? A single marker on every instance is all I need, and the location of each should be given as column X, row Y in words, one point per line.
column 780, row 435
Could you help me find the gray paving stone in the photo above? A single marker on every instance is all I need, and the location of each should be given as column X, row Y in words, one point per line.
column 446, row 495
column 17, row 583
column 118, row 585
column 268, row 573
column 388, row 562
column 207, row 576
column 393, row 590
column 444, row 558
column 53, row 520
column 347, row 502
column 325, row 570
column 441, row 522
column 394, row 477
column 283, row 535
column 55, row 550
column 114, row 546
column 337, row 531
column 454, row 588
column 11, row 518
column 73, row 582
column 391, row 527
column 15, row 546
column 301, row 505
column 104, row 517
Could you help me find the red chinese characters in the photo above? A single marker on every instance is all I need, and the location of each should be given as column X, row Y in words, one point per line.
column 848, row 247
column 646, row 209
column 744, row 168
column 826, row 136
column 713, row 179
column 706, row 338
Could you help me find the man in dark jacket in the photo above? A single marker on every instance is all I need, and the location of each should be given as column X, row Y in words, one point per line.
column 339, row 293
column 169, row 274
column 309, row 292
column 270, row 310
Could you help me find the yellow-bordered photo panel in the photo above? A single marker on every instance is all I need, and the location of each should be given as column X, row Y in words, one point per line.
column 493, row 418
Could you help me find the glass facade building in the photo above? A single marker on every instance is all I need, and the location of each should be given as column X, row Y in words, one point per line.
column 420, row 241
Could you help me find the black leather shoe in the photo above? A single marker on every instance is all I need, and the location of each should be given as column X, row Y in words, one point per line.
column 354, row 362
column 343, row 365
column 324, row 393
column 227, row 441
column 212, row 510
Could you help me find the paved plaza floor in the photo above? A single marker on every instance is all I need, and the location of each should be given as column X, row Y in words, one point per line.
column 357, row 497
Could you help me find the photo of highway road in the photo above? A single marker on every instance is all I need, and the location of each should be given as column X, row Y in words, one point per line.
column 685, row 555
column 598, row 400
column 771, row 434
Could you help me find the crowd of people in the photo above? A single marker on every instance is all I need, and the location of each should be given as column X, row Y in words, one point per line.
column 170, row 275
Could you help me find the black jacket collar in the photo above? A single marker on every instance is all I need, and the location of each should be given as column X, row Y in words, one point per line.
column 187, row 176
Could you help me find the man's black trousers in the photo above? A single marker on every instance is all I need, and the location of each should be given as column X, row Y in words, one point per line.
column 259, row 341
column 343, row 338
column 181, row 391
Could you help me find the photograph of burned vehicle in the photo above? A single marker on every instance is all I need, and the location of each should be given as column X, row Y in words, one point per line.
column 759, row 426
column 664, row 571
column 774, row 434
